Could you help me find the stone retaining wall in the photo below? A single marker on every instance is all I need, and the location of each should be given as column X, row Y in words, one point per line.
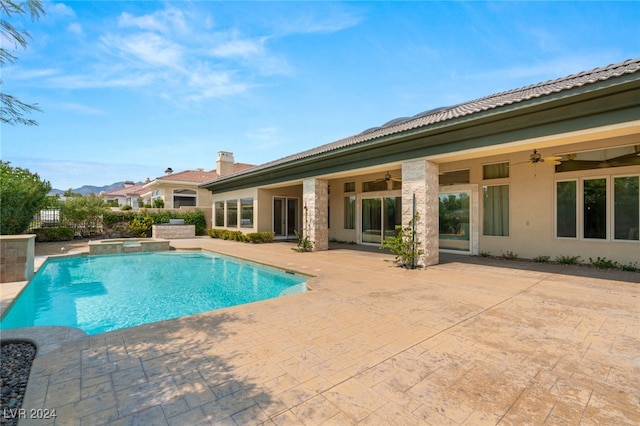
column 173, row 232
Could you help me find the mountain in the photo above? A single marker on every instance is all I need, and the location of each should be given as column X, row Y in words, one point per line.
column 89, row 189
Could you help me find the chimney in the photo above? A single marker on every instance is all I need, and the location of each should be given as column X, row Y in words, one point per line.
column 128, row 183
column 224, row 164
column 168, row 171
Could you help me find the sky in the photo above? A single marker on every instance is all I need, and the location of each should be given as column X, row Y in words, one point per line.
column 129, row 88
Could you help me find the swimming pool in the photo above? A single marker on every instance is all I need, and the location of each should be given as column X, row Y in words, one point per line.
column 111, row 292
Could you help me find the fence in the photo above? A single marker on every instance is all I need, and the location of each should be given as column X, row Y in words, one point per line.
column 51, row 218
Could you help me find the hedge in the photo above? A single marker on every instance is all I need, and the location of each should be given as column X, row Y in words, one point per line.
column 45, row 235
column 253, row 237
column 196, row 218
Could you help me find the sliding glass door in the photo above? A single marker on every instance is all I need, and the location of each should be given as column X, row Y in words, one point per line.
column 380, row 215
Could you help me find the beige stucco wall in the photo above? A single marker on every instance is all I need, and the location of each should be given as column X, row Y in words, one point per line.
column 532, row 207
column 203, row 198
column 237, row 195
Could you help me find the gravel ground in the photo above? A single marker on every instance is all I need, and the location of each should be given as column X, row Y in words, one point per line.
column 17, row 358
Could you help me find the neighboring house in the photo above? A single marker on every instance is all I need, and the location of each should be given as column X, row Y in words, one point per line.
column 181, row 189
column 551, row 169
column 131, row 195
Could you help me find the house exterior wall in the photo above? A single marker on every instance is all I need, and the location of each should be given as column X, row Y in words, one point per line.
column 532, row 205
column 203, row 196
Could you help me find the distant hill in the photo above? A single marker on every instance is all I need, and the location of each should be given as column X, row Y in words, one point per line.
column 89, row 189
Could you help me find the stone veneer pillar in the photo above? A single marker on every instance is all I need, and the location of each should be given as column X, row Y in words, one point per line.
column 421, row 178
column 315, row 210
column 17, row 254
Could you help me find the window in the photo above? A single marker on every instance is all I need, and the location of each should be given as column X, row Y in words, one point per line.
column 566, row 214
column 626, row 208
column 219, row 213
column 594, row 207
column 455, row 177
column 232, row 213
column 496, row 210
column 495, row 171
column 184, row 197
column 375, row 185
column 349, row 187
column 246, row 213
column 350, row 212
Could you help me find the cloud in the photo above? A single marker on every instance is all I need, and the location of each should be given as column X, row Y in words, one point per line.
column 148, row 48
column 75, row 28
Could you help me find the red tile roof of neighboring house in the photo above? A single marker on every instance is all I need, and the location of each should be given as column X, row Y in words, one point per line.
column 200, row 176
column 127, row 190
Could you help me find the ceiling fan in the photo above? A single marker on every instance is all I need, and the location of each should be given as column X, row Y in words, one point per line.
column 536, row 157
column 388, row 178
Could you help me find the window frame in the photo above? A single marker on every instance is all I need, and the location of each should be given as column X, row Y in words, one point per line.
column 610, row 221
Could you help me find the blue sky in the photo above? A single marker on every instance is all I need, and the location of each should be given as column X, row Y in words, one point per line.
column 130, row 88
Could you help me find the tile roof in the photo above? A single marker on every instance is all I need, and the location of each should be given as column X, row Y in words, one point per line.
column 127, row 190
column 439, row 115
column 201, row 176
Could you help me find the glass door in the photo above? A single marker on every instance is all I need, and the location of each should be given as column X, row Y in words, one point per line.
column 285, row 217
column 380, row 215
column 455, row 221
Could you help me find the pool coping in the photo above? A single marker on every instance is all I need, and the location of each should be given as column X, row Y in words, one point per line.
column 50, row 338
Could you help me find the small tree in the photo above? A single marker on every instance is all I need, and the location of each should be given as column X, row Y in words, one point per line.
column 404, row 245
column 22, row 194
column 84, row 213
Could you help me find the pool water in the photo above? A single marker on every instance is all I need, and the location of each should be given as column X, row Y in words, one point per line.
column 111, row 292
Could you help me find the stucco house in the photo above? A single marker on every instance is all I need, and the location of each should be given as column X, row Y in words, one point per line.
column 130, row 195
column 551, row 169
column 181, row 189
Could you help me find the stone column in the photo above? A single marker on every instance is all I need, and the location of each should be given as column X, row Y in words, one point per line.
column 17, row 254
column 315, row 211
column 420, row 177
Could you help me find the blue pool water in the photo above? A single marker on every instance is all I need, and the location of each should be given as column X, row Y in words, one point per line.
column 103, row 293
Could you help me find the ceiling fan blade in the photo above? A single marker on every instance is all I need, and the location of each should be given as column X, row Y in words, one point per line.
column 552, row 158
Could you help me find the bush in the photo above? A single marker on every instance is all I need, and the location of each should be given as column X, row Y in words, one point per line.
column 260, row 237
column 44, row 235
column 126, row 207
column 22, row 195
column 84, row 213
column 141, row 226
column 509, row 255
column 541, row 259
column 568, row 260
column 603, row 263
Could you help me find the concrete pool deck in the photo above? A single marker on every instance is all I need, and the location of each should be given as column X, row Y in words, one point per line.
column 469, row 341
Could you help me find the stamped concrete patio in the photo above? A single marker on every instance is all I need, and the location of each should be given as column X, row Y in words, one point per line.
column 469, row 341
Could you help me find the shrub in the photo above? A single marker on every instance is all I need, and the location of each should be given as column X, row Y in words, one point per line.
column 44, row 235
column 509, row 255
column 84, row 213
column 404, row 245
column 630, row 267
column 196, row 218
column 158, row 203
column 541, row 259
column 603, row 263
column 567, row 260
column 260, row 237
column 22, row 194
column 141, row 226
